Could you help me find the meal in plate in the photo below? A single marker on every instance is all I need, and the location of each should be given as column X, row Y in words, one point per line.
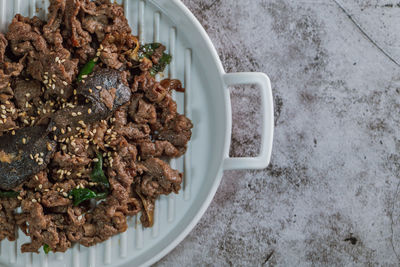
column 86, row 130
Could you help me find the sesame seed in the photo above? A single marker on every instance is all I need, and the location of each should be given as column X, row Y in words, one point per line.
column 27, row 94
column 40, row 186
column 13, row 132
column 65, row 194
column 19, row 198
column 54, row 128
column 78, row 128
column 74, row 91
column 3, row 107
column 53, row 86
column 26, row 121
column 80, row 217
column 101, row 47
column 96, row 160
column 98, row 54
column 62, row 131
column 46, row 77
column 36, row 178
column 8, row 102
column 24, row 140
column 34, row 200
column 84, row 76
column 90, row 90
column 74, row 114
column 31, row 156
column 55, row 138
column 62, row 91
column 98, row 87
column 57, row 59
column 79, row 113
column 3, row 116
column 69, row 129
column 49, row 148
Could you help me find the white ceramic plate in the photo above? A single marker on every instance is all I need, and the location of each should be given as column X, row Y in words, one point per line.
column 206, row 102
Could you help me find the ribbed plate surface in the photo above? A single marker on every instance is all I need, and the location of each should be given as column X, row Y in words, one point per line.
column 151, row 24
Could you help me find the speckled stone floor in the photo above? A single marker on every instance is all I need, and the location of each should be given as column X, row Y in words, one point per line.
column 331, row 194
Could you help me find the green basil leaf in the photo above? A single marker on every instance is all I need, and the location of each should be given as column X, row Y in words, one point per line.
column 81, row 194
column 86, row 69
column 160, row 67
column 8, row 194
column 46, row 248
column 97, row 174
column 148, row 50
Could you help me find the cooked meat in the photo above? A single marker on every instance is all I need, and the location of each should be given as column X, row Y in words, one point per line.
column 3, row 46
column 172, row 84
column 25, row 91
column 83, row 119
column 177, row 132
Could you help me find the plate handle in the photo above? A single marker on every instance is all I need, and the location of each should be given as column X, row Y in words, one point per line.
column 264, row 84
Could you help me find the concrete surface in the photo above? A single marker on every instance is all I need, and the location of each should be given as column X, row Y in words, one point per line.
column 331, row 194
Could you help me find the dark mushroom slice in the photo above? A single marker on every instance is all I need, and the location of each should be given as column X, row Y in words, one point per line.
column 23, row 155
column 68, row 121
column 106, row 89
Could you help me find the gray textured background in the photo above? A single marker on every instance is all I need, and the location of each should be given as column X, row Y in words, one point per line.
column 331, row 194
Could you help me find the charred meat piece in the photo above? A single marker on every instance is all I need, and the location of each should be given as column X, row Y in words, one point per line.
column 23, row 155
